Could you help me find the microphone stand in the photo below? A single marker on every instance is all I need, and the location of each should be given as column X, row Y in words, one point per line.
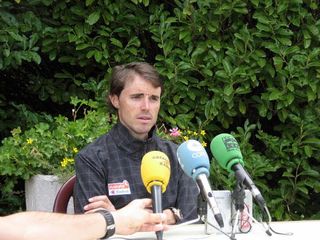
column 238, row 196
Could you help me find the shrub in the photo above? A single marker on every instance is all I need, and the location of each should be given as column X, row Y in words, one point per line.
column 49, row 147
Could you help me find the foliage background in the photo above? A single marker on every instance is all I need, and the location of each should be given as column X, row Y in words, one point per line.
column 250, row 68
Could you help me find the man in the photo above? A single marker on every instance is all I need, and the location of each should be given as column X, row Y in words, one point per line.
column 108, row 170
column 43, row 225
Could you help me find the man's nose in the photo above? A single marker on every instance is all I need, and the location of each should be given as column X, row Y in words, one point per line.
column 146, row 103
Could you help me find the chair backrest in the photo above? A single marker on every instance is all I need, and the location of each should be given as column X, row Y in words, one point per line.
column 63, row 196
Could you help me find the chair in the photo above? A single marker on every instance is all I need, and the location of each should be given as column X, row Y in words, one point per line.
column 63, row 196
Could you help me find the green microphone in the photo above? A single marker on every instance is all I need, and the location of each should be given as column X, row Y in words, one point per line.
column 225, row 149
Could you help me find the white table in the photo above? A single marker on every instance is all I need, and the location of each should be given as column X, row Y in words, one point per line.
column 301, row 230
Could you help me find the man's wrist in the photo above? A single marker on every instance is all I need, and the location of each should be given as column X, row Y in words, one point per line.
column 110, row 225
column 177, row 215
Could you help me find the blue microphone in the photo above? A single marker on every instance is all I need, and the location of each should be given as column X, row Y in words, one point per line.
column 194, row 161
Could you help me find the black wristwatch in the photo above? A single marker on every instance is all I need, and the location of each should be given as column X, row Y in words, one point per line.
column 176, row 213
column 110, row 228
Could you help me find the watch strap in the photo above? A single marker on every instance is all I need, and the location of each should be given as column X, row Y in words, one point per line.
column 110, row 226
column 177, row 214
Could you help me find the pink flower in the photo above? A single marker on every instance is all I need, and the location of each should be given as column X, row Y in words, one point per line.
column 175, row 132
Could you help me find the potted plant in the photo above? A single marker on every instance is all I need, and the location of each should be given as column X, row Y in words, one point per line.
column 43, row 155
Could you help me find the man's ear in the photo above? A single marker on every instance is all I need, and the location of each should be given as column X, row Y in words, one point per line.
column 114, row 99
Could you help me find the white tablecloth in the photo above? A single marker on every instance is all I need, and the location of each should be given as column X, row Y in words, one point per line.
column 297, row 230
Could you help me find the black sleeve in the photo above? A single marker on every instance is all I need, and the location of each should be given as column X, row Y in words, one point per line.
column 187, row 200
column 90, row 179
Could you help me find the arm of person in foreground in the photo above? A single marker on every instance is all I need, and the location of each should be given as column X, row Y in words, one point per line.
column 135, row 217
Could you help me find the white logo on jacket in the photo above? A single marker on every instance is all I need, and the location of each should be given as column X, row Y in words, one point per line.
column 121, row 188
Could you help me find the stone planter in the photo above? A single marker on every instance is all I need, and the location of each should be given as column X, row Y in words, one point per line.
column 40, row 192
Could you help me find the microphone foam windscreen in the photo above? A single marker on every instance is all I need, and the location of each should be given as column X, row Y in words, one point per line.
column 155, row 170
column 193, row 158
column 225, row 149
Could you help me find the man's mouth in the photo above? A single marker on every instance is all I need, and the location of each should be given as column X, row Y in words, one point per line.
column 144, row 118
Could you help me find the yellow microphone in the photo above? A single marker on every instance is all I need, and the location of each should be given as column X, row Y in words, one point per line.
column 155, row 174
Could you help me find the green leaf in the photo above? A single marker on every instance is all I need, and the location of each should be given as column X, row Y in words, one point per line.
column 212, row 27
column 89, row 2
column 134, row 41
column 82, row 46
column 33, row 40
column 242, row 107
column 183, row 34
column 241, row 10
column 146, row 3
column 311, row 95
column 227, row 66
column 306, row 43
column 17, row 37
column 192, row 95
column 228, row 90
column 255, row 2
column 284, row 32
column 310, row 173
column 6, row 52
column 261, row 18
column 308, row 151
column 208, row 72
column 36, row 57
column 303, row 189
column 313, row 29
column 199, row 50
column 312, row 141
column 274, row 94
column 176, row 99
column 116, row 42
column 278, row 62
column 93, row 18
column 97, row 56
column 287, row 174
column 285, row 41
column 221, row 73
column 291, row 50
column 215, row 44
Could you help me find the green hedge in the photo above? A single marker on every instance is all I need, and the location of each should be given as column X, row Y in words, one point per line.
column 250, row 68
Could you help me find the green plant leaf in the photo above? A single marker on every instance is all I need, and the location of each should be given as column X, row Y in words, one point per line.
column 93, row 18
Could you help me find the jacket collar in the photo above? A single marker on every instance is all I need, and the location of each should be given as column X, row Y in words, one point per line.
column 130, row 144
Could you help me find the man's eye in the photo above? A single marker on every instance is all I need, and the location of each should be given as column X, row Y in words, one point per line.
column 136, row 96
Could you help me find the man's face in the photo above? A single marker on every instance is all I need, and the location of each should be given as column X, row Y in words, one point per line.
column 138, row 106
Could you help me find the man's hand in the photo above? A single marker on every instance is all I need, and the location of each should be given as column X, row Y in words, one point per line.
column 137, row 216
column 170, row 219
column 101, row 201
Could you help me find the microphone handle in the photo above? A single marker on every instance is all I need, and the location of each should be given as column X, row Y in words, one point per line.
column 156, row 192
column 207, row 194
column 242, row 176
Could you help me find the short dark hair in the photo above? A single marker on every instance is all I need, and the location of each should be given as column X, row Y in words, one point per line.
column 122, row 73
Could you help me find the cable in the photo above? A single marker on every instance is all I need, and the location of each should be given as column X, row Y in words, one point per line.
column 205, row 221
column 271, row 229
column 245, row 220
column 184, row 223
